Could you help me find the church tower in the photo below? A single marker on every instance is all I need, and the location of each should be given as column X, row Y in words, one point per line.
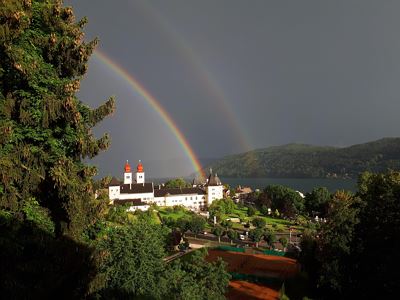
column 214, row 188
column 127, row 174
column 140, row 173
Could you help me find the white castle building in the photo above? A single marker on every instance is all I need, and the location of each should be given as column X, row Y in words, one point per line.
column 141, row 194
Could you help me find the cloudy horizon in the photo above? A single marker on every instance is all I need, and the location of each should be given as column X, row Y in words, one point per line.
column 236, row 75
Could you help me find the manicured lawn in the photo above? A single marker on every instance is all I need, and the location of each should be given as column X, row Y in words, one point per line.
column 275, row 224
column 167, row 212
column 155, row 219
column 174, row 214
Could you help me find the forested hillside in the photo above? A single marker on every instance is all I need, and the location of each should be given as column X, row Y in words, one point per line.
column 307, row 161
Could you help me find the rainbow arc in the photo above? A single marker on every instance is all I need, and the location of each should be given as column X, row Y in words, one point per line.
column 145, row 94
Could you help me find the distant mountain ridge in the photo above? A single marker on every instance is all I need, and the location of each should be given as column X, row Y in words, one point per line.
column 308, row 161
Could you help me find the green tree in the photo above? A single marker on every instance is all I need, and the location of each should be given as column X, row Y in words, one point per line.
column 118, row 214
column 308, row 245
column 316, row 201
column 335, row 239
column 376, row 236
column 226, row 224
column 256, row 235
column 229, row 205
column 197, row 224
column 259, row 222
column 134, row 259
column 177, row 183
column 334, row 245
column 251, row 211
column 287, row 201
column 222, row 207
column 264, row 210
column 46, row 131
column 183, row 223
column 232, row 234
column 195, row 278
column 284, row 242
column 218, row 231
column 270, row 238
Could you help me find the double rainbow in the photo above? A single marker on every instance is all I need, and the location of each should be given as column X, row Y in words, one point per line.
column 138, row 88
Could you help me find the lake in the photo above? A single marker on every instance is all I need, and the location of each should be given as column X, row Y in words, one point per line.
column 298, row 184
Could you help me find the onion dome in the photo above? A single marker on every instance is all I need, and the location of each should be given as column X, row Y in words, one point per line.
column 127, row 167
column 140, row 167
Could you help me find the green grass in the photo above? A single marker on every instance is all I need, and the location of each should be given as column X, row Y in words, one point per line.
column 154, row 217
column 237, row 226
column 174, row 214
column 275, row 224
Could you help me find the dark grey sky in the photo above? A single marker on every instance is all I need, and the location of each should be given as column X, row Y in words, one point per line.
column 243, row 74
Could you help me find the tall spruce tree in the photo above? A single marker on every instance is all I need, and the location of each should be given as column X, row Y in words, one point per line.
column 45, row 130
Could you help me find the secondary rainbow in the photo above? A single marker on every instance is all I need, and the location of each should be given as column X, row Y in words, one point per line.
column 135, row 84
column 199, row 69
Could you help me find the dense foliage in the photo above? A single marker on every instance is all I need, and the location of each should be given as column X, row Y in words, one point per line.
column 316, row 202
column 37, row 265
column 193, row 278
column 303, row 161
column 354, row 253
column 134, row 258
column 282, row 199
column 133, row 264
column 45, row 130
column 57, row 239
column 177, row 183
column 221, row 207
column 47, row 201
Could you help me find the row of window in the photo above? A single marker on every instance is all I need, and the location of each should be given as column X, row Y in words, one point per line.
column 180, row 201
column 195, row 198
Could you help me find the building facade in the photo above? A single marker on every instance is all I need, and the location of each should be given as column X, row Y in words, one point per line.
column 141, row 194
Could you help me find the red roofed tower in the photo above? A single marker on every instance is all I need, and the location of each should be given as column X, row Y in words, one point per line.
column 139, row 173
column 140, row 167
column 127, row 167
column 127, row 174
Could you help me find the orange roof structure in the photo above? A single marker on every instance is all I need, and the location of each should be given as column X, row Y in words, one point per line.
column 127, row 167
column 140, row 167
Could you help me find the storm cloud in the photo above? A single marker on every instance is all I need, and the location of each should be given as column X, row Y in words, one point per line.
column 238, row 75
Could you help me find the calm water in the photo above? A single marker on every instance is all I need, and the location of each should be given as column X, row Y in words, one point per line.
column 299, row 184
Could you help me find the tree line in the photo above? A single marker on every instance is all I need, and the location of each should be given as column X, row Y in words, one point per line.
column 354, row 254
